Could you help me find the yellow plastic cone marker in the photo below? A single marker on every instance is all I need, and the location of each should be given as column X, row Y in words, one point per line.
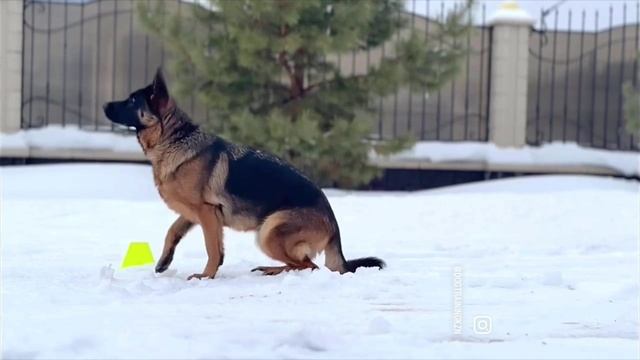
column 138, row 254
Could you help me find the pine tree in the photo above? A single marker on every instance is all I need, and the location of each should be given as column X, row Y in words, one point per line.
column 260, row 66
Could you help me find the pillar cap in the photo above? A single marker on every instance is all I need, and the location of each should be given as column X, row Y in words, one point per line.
column 510, row 13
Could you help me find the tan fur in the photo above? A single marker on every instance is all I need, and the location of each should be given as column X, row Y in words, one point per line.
column 198, row 195
column 181, row 192
column 177, row 230
column 180, row 177
column 294, row 236
column 333, row 260
column 191, row 171
column 217, row 179
column 156, row 145
column 216, row 194
column 211, row 222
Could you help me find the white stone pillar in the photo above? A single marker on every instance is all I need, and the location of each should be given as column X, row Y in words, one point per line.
column 10, row 64
column 511, row 27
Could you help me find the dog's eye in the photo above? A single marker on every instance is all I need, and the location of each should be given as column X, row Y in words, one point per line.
column 131, row 101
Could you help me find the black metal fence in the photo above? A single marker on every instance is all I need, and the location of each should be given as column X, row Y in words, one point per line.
column 77, row 55
column 457, row 111
column 576, row 79
column 80, row 54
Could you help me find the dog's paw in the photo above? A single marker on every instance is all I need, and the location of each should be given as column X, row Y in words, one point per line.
column 272, row 270
column 164, row 262
column 200, row 276
column 162, row 265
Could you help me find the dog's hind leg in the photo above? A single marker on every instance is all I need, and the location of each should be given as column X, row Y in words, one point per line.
column 275, row 270
column 293, row 237
column 176, row 232
column 333, row 257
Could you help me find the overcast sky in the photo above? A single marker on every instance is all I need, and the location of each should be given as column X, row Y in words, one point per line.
column 533, row 7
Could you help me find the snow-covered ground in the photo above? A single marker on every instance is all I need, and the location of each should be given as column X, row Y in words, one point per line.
column 551, row 262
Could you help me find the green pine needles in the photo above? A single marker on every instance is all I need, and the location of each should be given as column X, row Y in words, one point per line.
column 266, row 70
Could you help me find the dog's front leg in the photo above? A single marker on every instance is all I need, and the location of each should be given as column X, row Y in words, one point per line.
column 211, row 221
column 176, row 232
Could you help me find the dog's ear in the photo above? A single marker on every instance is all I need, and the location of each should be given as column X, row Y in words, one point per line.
column 160, row 101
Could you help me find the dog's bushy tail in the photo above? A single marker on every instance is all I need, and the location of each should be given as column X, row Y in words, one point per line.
column 352, row 265
column 335, row 261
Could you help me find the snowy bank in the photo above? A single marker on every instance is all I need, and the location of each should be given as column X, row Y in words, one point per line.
column 56, row 137
column 554, row 154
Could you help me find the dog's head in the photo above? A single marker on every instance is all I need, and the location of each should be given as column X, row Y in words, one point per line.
column 144, row 108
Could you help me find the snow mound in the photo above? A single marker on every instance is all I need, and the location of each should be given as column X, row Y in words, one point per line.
column 552, row 154
column 555, row 153
column 69, row 137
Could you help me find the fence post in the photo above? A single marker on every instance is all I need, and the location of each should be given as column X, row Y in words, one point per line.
column 10, row 65
column 511, row 26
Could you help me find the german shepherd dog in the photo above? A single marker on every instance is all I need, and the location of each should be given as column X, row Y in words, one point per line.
column 210, row 181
